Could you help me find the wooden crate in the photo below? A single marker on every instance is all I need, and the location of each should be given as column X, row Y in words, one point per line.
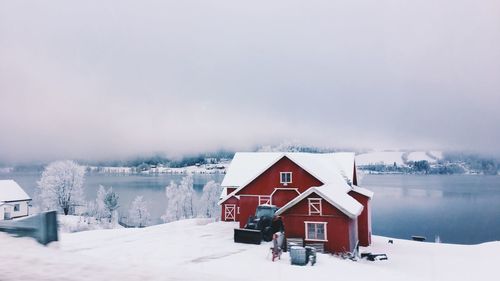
column 296, row 241
column 320, row 247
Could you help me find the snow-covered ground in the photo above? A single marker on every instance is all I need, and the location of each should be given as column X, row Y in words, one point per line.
column 198, row 250
column 81, row 223
column 380, row 157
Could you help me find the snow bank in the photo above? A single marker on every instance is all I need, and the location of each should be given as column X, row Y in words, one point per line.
column 194, row 250
column 71, row 223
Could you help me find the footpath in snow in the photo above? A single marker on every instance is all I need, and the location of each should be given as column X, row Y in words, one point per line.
column 197, row 250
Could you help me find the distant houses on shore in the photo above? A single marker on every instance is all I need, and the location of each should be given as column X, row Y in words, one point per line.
column 14, row 201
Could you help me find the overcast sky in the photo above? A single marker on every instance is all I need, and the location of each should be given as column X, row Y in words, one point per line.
column 111, row 79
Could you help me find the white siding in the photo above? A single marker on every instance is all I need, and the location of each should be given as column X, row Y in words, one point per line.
column 9, row 207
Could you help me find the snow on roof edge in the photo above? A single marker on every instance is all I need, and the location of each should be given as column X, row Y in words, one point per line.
column 363, row 191
column 352, row 211
column 11, row 191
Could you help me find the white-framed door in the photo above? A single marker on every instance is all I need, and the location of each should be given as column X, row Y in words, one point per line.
column 230, row 212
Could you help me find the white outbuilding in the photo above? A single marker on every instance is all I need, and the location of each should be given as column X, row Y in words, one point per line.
column 14, row 201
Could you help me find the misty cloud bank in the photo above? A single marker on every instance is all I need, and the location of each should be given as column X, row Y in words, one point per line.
column 102, row 80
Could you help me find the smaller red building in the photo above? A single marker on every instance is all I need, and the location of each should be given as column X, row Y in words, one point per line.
column 323, row 215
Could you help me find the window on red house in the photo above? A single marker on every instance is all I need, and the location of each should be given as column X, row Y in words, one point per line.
column 316, row 231
column 286, row 177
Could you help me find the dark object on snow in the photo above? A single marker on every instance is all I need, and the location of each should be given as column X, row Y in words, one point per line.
column 248, row 236
column 374, row 257
column 42, row 227
column 310, row 255
column 262, row 226
column 390, row 241
column 418, row 238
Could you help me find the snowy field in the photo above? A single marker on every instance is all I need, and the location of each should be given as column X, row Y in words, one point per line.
column 198, row 250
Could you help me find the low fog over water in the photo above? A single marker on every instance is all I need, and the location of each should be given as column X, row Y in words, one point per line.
column 101, row 80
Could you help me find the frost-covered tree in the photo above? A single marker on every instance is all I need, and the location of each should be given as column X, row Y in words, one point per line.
column 180, row 200
column 61, row 186
column 106, row 203
column 138, row 213
column 100, row 208
column 207, row 205
column 111, row 202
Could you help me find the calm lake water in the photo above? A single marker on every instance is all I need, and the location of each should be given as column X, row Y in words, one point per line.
column 460, row 209
column 151, row 187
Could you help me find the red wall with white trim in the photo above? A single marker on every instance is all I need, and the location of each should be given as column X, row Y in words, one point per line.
column 338, row 228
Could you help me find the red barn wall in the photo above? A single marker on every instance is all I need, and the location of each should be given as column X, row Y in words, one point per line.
column 270, row 179
column 248, row 205
column 283, row 196
column 339, row 226
column 232, row 200
column 364, row 219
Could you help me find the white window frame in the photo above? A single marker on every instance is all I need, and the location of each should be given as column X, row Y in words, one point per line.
column 316, row 222
column 315, row 206
column 264, row 200
column 226, row 211
column 281, row 178
column 17, row 207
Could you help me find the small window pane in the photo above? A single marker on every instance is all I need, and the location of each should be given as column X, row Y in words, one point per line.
column 320, row 230
column 286, row 177
column 311, row 231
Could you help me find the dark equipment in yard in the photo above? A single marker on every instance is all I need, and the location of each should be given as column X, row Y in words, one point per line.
column 418, row 238
column 310, row 254
column 42, row 227
column 260, row 227
column 374, row 257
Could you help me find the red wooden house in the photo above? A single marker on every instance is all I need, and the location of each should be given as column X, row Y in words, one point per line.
column 316, row 193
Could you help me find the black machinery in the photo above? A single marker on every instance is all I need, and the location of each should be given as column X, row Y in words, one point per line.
column 260, row 227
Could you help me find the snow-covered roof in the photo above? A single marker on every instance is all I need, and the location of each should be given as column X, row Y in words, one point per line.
column 362, row 191
column 246, row 166
column 11, row 191
column 338, row 198
column 336, row 169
